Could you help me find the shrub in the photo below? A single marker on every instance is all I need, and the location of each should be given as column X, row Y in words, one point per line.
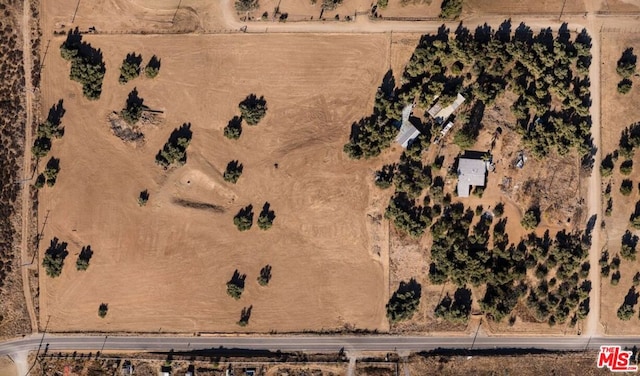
column 531, row 219
column 625, row 86
column 404, row 302
column 103, row 309
column 246, row 5
column 626, row 167
column 626, row 187
column 153, row 67
column 383, row 3
column 54, row 256
column 625, row 312
column 244, row 219
column 51, row 171
column 330, row 4
column 265, row 275
column 175, row 150
column 626, row 65
column 83, row 258
column 235, row 286
column 245, row 315
column 143, row 198
column 498, row 210
column 451, row 9
column 266, row 217
column 233, row 130
column 233, row 172
column 615, row 278
column 253, row 109
column 133, row 108
column 130, row 68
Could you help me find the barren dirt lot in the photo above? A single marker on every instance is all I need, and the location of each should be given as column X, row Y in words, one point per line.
column 619, row 111
column 163, row 266
column 478, row 7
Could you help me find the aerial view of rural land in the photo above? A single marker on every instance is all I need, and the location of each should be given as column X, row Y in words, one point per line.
column 319, row 187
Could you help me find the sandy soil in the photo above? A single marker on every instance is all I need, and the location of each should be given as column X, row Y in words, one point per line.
column 476, row 7
column 619, row 111
column 164, row 267
column 7, row 367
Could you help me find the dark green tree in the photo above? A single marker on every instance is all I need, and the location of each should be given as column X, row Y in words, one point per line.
column 253, row 109
column 244, row 219
column 54, row 256
column 233, row 172
column 130, row 68
column 404, row 302
column 82, row 263
column 266, row 217
column 235, row 286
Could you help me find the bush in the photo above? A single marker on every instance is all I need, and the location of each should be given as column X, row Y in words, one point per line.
column 103, row 309
column 51, row 171
column 626, row 167
column 531, row 219
column 246, row 5
column 143, row 198
column 83, row 258
column 153, row 67
column 233, row 130
column 626, row 66
column 54, row 256
column 40, row 180
column 383, row 3
column 130, row 68
column 625, row 312
column 625, row 86
column 175, row 150
column 451, row 9
column 404, row 302
column 233, row 172
column 244, row 219
column 235, row 286
column 498, row 210
column 626, row 187
column 253, row 109
column 265, row 275
column 133, row 108
column 615, row 278
column 266, row 217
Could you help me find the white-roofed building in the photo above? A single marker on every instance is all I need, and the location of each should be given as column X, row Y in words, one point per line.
column 408, row 131
column 471, row 173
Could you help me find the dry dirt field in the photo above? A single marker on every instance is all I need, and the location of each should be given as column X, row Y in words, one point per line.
column 479, row 7
column 619, row 111
column 163, row 266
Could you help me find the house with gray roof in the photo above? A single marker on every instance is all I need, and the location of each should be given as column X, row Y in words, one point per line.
column 471, row 173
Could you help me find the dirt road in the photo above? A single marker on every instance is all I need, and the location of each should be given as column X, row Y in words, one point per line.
column 26, row 167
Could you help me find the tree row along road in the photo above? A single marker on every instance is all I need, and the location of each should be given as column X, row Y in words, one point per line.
column 55, row 343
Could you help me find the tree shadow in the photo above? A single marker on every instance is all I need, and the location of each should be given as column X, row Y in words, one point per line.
column 56, row 112
column 235, row 166
column 628, row 57
column 591, row 223
column 144, row 196
column 632, row 296
column 133, row 59
column 267, row 212
column 482, row 34
column 57, row 249
column 388, row 84
column 523, row 33
column 564, row 35
column 584, row 38
column 53, row 164
column 154, row 62
column 134, row 100
column 183, row 132
column 237, row 279
column 503, row 34
column 246, row 212
column 86, row 253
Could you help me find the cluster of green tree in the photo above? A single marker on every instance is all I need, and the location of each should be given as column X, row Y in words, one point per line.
column 606, row 267
column 467, row 135
column 607, row 195
column 130, row 68
column 134, row 106
column 233, row 130
column 626, row 187
column 246, row 5
column 253, row 109
column 82, row 263
column 450, row 9
column 531, row 218
column 329, row 4
column 626, row 310
column 54, row 256
column 49, row 130
column 50, row 174
column 244, row 219
column 371, row 135
column 455, row 310
column 629, row 141
column 626, row 68
column 540, row 69
column 87, row 65
column 404, row 301
column 175, row 149
column 233, row 172
column 235, row 286
column 245, row 315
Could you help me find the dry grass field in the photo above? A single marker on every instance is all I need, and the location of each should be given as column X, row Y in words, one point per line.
column 523, row 7
column 619, row 112
column 163, row 266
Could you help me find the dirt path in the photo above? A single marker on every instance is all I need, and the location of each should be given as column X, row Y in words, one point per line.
column 594, row 203
column 26, row 167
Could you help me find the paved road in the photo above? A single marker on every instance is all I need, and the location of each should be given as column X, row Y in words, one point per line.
column 307, row 343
